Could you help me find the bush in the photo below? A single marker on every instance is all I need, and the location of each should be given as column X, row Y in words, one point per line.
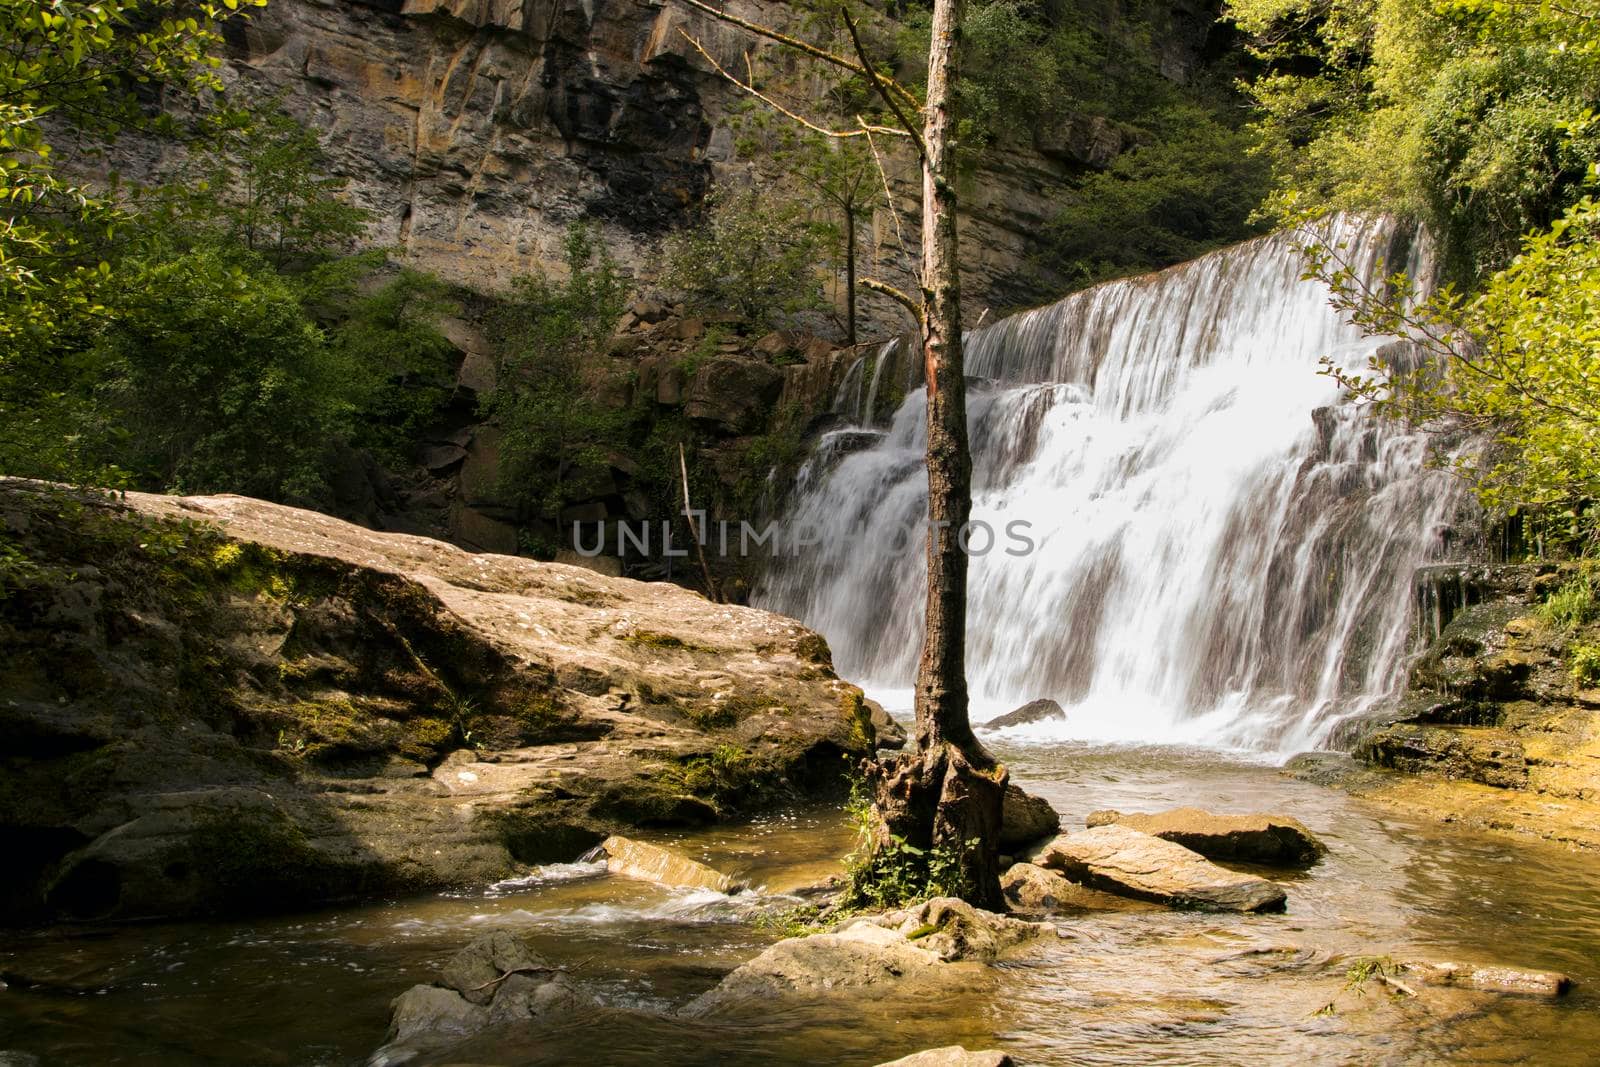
column 212, row 377
column 546, row 401
column 751, row 254
column 391, row 341
column 1572, row 605
column 1585, row 664
column 879, row 876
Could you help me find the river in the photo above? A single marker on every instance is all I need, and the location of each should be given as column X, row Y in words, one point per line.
column 1134, row 988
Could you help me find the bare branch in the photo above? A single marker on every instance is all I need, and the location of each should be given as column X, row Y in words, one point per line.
column 913, row 306
column 888, row 194
column 878, row 84
column 863, row 131
column 801, row 46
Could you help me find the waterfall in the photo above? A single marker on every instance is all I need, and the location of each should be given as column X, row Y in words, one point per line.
column 1221, row 552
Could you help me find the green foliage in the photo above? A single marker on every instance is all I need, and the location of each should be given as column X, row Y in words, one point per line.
column 390, row 339
column 1585, row 664
column 727, row 776
column 1572, row 605
column 213, row 377
column 752, row 254
column 1519, row 362
column 1365, row 969
column 85, row 67
column 258, row 177
column 547, row 399
column 1476, row 116
column 880, row 876
column 770, row 459
column 1181, row 181
column 1190, row 186
column 203, row 363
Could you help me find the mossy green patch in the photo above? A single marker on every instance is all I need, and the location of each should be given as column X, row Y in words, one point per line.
column 657, row 639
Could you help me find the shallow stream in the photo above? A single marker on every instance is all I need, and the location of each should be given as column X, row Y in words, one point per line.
column 1150, row 987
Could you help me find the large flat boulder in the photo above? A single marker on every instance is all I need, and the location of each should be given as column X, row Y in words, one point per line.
column 1275, row 840
column 1122, row 860
column 217, row 704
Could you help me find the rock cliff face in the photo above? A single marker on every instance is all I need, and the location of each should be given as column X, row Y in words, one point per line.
column 217, row 704
column 477, row 130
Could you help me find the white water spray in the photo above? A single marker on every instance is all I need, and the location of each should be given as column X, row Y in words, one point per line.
column 1223, row 555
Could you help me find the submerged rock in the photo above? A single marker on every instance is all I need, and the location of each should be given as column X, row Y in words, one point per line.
column 635, row 859
column 1025, row 819
column 952, row 1056
column 1043, row 710
column 1492, row 979
column 1124, row 861
column 1254, row 838
column 495, row 979
column 931, row 943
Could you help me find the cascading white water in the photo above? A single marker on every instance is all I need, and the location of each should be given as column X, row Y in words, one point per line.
column 1222, row 553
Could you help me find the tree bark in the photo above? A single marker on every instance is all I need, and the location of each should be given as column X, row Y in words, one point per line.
column 850, row 272
column 948, row 793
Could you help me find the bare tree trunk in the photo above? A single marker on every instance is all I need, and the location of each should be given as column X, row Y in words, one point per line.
column 850, row 272
column 948, row 793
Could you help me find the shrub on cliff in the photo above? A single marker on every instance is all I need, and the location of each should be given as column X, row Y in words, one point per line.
column 552, row 334
column 751, row 254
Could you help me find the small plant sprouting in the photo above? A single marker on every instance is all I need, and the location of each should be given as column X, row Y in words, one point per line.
column 880, row 876
column 1366, row 969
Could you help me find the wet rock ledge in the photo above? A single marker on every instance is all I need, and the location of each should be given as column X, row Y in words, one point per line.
column 214, row 704
column 1495, row 729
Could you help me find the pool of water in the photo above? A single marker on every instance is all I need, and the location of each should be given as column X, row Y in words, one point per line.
column 1137, row 988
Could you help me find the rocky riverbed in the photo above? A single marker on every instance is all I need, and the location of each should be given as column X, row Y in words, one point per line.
column 1118, row 981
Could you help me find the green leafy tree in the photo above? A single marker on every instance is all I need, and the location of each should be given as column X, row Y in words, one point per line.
column 213, row 377
column 753, row 254
column 1189, row 186
column 390, row 339
column 259, row 177
column 78, row 67
column 546, row 401
column 1477, row 117
column 1517, row 366
column 836, row 174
